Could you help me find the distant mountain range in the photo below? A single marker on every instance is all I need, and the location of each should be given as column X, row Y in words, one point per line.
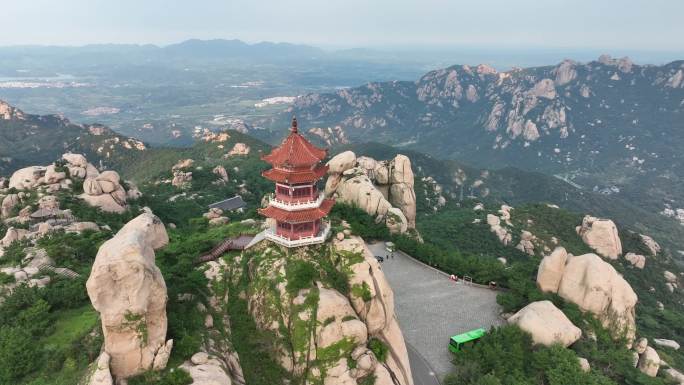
column 27, row 140
column 31, row 57
column 226, row 48
column 608, row 124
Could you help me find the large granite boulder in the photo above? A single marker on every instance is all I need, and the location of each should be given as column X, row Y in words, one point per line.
column 9, row 202
column 105, row 191
column 221, row 172
column 79, row 167
column 335, row 306
column 127, row 289
column 375, row 187
column 52, row 175
column 101, row 374
column 497, row 227
column 358, row 190
column 601, row 235
column 75, row 160
column 637, row 260
column 104, row 202
column 27, row 178
column 206, row 370
column 651, row 244
column 675, row 376
column 342, row 162
column 595, row 286
column 183, row 164
column 181, row 179
column 671, row 344
column 551, row 270
column 649, row 362
column 546, row 323
column 12, row 235
column 239, row 149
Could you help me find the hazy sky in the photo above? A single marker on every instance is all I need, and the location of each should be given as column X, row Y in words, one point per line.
column 613, row 24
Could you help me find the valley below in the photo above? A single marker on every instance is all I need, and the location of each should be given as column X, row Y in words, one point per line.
column 542, row 204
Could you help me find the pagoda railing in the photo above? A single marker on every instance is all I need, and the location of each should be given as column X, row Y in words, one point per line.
column 310, row 240
column 295, row 205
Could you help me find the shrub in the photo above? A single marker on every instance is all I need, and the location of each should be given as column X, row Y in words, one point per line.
column 18, row 354
column 378, row 348
column 361, row 223
column 167, row 377
column 6, row 278
column 300, row 275
column 362, row 291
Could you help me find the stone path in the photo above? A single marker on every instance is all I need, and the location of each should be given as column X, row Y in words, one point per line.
column 431, row 308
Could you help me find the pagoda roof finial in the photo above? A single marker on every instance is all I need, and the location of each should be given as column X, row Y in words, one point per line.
column 293, row 128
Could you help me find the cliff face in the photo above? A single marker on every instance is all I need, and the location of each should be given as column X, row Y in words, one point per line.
column 329, row 308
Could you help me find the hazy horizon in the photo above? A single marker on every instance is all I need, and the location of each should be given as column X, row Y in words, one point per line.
column 653, row 26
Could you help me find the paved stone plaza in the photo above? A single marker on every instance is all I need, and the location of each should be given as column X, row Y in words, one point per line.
column 431, row 308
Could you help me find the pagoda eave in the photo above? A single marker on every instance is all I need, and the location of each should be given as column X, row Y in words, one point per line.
column 308, row 176
column 295, row 151
column 298, row 216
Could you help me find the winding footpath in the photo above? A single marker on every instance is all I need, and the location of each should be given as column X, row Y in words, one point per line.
column 431, row 308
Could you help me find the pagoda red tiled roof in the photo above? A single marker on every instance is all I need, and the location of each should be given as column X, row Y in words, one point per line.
column 295, row 151
column 297, row 176
column 307, row 215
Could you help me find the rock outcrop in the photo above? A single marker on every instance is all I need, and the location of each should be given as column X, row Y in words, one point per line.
column 101, row 374
column 601, row 235
column 649, row 362
column 666, row 343
column 674, row 375
column 206, row 370
column 637, row 260
column 105, row 192
column 551, row 270
column 594, row 285
column 239, row 149
column 334, row 328
column 27, row 178
column 546, row 323
column 498, row 226
column 651, row 244
column 127, row 289
column 383, row 189
column 8, row 204
column 183, row 164
column 181, row 179
column 526, row 244
column 221, row 172
column 378, row 312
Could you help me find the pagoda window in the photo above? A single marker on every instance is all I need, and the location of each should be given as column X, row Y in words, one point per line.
column 282, row 190
column 302, row 192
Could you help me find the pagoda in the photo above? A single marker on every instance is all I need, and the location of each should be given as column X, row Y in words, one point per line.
column 297, row 206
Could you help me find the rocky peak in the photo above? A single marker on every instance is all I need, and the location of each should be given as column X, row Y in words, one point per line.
column 565, row 72
column 8, row 112
column 623, row 64
column 484, row 69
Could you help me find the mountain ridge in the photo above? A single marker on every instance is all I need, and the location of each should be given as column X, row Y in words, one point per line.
column 27, row 139
column 607, row 125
